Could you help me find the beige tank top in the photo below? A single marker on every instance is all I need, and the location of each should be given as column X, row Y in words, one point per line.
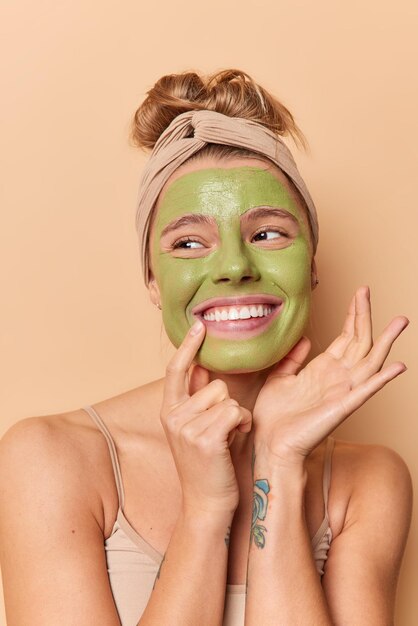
column 132, row 563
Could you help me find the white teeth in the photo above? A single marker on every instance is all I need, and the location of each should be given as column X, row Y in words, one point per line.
column 236, row 313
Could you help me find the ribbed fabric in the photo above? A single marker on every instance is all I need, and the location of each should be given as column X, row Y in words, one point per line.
column 132, row 563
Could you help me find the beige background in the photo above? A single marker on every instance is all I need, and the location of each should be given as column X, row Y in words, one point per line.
column 76, row 325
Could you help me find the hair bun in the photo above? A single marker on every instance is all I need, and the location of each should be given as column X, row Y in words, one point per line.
column 231, row 92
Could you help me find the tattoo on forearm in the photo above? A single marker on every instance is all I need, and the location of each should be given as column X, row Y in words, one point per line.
column 159, row 571
column 227, row 536
column 260, row 505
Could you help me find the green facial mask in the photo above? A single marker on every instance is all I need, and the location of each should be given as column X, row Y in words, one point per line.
column 232, row 264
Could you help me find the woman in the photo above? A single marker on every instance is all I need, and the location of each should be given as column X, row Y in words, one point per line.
column 210, row 498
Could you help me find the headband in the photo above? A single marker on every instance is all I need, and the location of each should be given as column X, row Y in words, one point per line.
column 190, row 132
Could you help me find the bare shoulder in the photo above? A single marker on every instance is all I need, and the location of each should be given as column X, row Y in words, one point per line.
column 372, row 486
column 54, row 452
column 367, row 463
column 51, row 513
column 371, row 481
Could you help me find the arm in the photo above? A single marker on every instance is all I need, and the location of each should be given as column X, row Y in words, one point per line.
column 200, row 421
column 190, row 585
column 51, row 538
column 359, row 584
column 364, row 560
column 295, row 410
column 51, row 544
column 283, row 585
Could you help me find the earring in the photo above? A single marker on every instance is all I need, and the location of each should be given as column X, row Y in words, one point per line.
column 158, row 305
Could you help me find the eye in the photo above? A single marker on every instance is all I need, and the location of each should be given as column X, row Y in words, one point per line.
column 266, row 235
column 187, row 243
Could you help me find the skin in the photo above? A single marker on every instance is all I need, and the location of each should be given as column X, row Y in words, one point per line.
column 227, row 256
column 292, row 411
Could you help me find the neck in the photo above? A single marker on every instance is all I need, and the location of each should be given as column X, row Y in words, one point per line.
column 244, row 388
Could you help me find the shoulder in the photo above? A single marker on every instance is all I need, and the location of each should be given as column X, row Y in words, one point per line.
column 51, row 455
column 51, row 513
column 48, row 438
column 365, row 555
column 370, row 463
column 376, row 484
column 32, row 443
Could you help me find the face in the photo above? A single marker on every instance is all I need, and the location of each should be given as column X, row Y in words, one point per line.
column 230, row 244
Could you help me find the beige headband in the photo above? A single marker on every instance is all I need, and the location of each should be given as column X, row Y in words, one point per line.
column 190, row 132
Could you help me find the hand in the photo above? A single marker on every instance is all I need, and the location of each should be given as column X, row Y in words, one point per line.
column 200, row 421
column 294, row 411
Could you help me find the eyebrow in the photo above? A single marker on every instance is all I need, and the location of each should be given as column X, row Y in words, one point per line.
column 266, row 212
column 253, row 213
column 187, row 220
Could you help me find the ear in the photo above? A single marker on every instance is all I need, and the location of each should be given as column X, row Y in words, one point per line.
column 314, row 275
column 154, row 292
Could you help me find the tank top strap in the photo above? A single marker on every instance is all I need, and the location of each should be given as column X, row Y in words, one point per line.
column 326, row 478
column 112, row 449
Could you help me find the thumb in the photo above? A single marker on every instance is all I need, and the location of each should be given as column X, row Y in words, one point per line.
column 293, row 361
column 199, row 378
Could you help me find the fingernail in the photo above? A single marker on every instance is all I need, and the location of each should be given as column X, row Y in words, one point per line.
column 196, row 328
column 406, row 322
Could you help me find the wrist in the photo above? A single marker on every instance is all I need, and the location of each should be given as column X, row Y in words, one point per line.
column 203, row 525
column 199, row 516
column 266, row 462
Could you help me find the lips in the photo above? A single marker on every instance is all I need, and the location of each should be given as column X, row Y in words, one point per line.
column 248, row 315
column 260, row 298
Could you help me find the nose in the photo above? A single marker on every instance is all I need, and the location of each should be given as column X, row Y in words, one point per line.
column 233, row 264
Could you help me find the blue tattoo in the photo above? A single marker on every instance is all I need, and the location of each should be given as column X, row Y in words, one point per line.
column 260, row 504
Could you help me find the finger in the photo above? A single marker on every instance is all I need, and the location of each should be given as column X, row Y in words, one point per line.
column 246, row 421
column 337, row 347
column 176, row 382
column 219, row 416
column 360, row 394
column 362, row 340
column 237, row 418
column 208, row 396
column 293, row 361
column 198, row 378
column 380, row 351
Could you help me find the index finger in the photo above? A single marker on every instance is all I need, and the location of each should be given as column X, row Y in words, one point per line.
column 176, row 388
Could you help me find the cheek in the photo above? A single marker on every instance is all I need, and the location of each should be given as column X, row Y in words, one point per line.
column 291, row 273
column 290, row 269
column 178, row 279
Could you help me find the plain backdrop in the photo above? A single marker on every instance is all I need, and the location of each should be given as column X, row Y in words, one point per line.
column 76, row 324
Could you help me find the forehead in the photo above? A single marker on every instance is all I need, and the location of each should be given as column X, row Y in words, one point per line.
column 225, row 189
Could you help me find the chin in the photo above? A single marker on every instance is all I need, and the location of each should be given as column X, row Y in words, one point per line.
column 234, row 364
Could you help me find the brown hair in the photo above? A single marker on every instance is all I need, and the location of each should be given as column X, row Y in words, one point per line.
column 231, row 92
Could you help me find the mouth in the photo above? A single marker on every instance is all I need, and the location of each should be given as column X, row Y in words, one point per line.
column 239, row 317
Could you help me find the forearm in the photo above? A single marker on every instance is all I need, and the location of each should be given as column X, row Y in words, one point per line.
column 283, row 585
column 190, row 586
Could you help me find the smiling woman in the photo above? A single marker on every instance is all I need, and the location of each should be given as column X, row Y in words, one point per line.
column 216, row 495
column 216, row 229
